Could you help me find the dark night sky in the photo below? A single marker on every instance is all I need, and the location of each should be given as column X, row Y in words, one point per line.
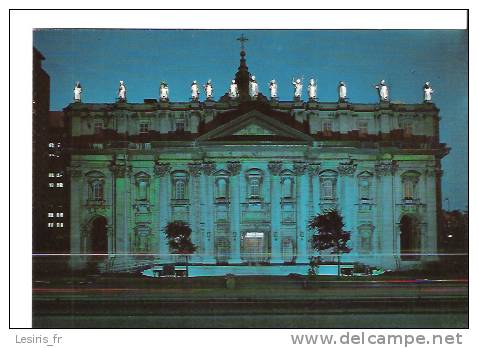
column 143, row 58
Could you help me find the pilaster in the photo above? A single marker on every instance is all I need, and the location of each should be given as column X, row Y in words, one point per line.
column 195, row 170
column 275, row 168
column 302, row 213
column 314, row 171
column 348, row 197
column 432, row 174
column 347, row 172
column 234, row 167
column 385, row 171
column 162, row 171
column 121, row 172
column 207, row 211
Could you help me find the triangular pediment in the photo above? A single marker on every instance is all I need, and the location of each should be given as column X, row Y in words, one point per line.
column 254, row 129
column 257, row 126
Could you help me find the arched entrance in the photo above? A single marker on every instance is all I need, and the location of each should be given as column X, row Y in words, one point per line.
column 409, row 238
column 96, row 244
column 98, row 236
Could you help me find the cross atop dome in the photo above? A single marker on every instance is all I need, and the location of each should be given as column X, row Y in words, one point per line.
column 242, row 39
column 242, row 76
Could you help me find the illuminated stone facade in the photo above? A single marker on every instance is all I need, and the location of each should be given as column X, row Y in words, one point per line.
column 248, row 174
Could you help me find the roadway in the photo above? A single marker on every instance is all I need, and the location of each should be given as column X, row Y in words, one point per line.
column 275, row 302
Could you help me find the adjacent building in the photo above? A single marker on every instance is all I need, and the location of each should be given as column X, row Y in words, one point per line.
column 50, row 190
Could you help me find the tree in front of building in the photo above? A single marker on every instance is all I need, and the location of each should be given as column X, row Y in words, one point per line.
column 179, row 240
column 330, row 234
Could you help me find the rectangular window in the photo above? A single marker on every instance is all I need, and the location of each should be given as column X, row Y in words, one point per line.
column 179, row 125
column 408, row 189
column 51, row 175
column 59, row 184
column 364, row 188
column 143, row 127
column 51, row 224
column 59, row 224
column 255, row 187
column 51, row 145
column 59, row 175
column 221, row 188
column 180, row 189
column 408, row 128
column 51, row 184
column 96, row 190
column 51, row 215
column 327, row 188
column 59, row 214
column 363, row 128
column 327, row 126
column 98, row 126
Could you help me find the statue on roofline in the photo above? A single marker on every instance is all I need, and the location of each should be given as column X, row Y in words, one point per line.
column 122, row 92
column 233, row 92
column 208, row 89
column 253, row 88
column 194, row 91
column 297, row 88
column 77, row 92
column 342, row 90
column 382, row 89
column 273, row 89
column 427, row 92
column 312, row 90
column 163, row 91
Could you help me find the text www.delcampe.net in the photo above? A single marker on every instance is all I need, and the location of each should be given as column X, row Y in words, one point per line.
column 349, row 338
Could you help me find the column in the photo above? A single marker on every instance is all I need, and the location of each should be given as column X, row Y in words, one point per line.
column 302, row 214
column 348, row 197
column 354, row 190
column 195, row 170
column 275, row 168
column 109, row 192
column 421, row 187
column 431, row 247
column 207, row 211
column 121, row 172
column 162, row 171
column 235, row 213
column 76, row 194
column 386, row 170
column 376, row 237
column 314, row 171
column 154, row 199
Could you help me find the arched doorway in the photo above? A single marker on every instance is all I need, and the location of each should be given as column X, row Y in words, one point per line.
column 409, row 238
column 98, row 236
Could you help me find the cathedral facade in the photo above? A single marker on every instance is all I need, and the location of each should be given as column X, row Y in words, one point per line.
column 247, row 173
